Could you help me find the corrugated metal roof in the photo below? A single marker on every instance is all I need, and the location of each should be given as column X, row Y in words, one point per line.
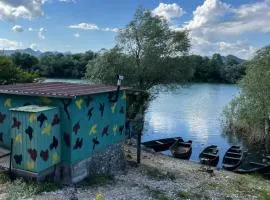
column 56, row 89
column 32, row 108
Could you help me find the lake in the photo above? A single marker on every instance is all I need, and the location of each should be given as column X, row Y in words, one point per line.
column 192, row 112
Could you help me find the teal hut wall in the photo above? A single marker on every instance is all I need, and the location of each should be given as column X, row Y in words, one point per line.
column 10, row 101
column 36, row 142
column 96, row 124
column 93, row 125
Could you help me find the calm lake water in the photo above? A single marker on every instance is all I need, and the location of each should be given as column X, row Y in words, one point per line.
column 192, row 112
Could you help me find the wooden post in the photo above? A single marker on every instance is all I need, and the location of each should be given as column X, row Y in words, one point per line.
column 10, row 161
column 139, row 139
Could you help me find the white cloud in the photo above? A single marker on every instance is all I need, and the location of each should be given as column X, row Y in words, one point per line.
column 41, row 33
column 68, row 1
column 26, row 9
column 34, row 46
column 168, row 11
column 17, row 28
column 6, row 44
column 76, row 35
column 85, row 26
column 221, row 26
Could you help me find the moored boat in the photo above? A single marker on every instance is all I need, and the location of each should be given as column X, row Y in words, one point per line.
column 253, row 167
column 233, row 158
column 160, row 144
column 181, row 149
column 210, row 155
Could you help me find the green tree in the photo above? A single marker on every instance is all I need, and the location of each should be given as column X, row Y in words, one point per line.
column 146, row 43
column 249, row 113
column 25, row 61
column 9, row 73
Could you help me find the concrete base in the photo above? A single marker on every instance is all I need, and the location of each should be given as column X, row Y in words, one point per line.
column 110, row 161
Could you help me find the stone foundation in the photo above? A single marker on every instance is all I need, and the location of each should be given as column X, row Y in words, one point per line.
column 110, row 161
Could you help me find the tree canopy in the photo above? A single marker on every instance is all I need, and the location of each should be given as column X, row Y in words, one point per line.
column 144, row 47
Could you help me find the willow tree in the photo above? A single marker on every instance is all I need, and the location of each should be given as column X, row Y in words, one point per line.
column 142, row 52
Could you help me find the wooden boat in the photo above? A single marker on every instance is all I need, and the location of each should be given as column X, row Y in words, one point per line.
column 252, row 167
column 233, row 158
column 210, row 155
column 181, row 149
column 161, row 144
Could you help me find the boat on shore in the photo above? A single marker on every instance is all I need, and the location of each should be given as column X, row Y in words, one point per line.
column 161, row 144
column 181, row 149
column 210, row 155
column 253, row 167
column 233, row 158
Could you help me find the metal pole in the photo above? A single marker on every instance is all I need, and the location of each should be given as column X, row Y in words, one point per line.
column 139, row 139
column 10, row 160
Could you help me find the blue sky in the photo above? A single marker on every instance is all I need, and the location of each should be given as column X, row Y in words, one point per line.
column 224, row 26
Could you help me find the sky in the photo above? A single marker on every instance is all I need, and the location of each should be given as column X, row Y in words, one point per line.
column 238, row 27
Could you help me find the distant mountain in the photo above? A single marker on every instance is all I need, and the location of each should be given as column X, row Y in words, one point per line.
column 232, row 57
column 28, row 51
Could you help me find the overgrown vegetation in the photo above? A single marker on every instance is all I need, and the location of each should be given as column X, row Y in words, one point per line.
column 10, row 73
column 248, row 114
column 159, row 175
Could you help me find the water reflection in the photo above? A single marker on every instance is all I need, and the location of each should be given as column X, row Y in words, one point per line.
column 192, row 112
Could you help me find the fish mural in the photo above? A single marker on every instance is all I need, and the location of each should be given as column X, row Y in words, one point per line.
column 56, row 120
column 67, row 139
column 105, row 131
column 32, row 118
column 32, row 153
column 47, row 129
column 93, row 130
column 66, row 103
column 115, row 128
column 88, row 100
column 18, row 159
column 78, row 144
column 8, row 103
column 113, row 107
column 54, row 144
column 95, row 142
column 16, row 123
column 30, row 165
column 76, row 128
column 101, row 108
column 79, row 103
column 41, row 118
column 44, row 155
column 29, row 131
column 90, row 114
column 55, row 158
column 18, row 139
column 2, row 117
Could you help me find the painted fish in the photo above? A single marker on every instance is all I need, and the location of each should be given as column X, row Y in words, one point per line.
column 113, row 107
column 89, row 114
column 2, row 117
column 79, row 103
column 67, row 139
column 95, row 142
column 18, row 139
column 105, row 130
column 16, row 123
column 8, row 103
column 88, row 100
column 47, row 129
column 29, row 131
column 32, row 118
column 78, row 144
column 66, row 104
column 30, row 165
column 55, row 158
column 121, row 128
column 76, row 128
column 41, row 118
column 44, row 155
column 54, row 144
column 93, row 129
column 115, row 129
column 33, row 153
column 18, row 159
column 101, row 108
column 56, row 120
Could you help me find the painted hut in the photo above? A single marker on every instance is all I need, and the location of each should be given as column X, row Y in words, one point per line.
column 63, row 130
